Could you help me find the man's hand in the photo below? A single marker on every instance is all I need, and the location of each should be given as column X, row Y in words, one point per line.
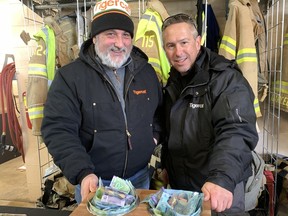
column 220, row 198
column 88, row 184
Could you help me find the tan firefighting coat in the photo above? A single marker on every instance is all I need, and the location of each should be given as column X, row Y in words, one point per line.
column 243, row 27
column 41, row 72
column 54, row 40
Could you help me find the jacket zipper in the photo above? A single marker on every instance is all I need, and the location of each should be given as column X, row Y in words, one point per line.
column 237, row 113
column 126, row 126
column 127, row 133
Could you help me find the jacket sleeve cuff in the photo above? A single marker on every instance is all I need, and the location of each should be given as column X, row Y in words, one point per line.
column 222, row 182
column 83, row 174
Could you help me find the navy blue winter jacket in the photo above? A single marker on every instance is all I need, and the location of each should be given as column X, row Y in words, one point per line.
column 211, row 125
column 84, row 127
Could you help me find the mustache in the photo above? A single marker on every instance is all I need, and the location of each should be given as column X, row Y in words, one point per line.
column 123, row 49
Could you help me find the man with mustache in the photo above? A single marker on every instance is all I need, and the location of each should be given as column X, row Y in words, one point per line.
column 100, row 118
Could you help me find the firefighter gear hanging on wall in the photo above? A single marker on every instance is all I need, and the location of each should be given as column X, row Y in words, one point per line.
column 209, row 33
column 242, row 29
column 65, row 38
column 282, row 83
column 212, row 34
column 54, row 40
column 41, row 72
column 149, row 38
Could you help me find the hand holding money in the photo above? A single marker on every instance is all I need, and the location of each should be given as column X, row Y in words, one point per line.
column 88, row 184
column 116, row 199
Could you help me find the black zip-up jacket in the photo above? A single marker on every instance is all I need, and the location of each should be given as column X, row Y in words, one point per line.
column 84, row 127
column 211, row 125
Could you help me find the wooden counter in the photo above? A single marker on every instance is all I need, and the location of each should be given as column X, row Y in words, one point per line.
column 141, row 210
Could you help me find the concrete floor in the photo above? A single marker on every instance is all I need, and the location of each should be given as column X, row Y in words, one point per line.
column 13, row 184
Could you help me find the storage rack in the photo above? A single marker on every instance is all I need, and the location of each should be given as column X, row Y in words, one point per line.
column 275, row 21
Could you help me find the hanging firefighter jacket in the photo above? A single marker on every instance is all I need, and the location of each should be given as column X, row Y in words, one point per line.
column 148, row 37
column 242, row 29
column 65, row 38
column 54, row 40
column 210, row 34
column 260, row 44
column 200, row 16
column 213, row 35
column 40, row 75
column 281, row 86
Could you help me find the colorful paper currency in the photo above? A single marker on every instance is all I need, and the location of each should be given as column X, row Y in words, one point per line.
column 118, row 198
column 171, row 202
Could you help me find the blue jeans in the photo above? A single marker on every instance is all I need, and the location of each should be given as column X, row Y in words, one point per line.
column 141, row 180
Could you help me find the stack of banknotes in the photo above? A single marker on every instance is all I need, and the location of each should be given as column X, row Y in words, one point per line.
column 171, row 202
column 118, row 198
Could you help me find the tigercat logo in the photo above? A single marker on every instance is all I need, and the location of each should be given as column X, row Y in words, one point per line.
column 138, row 92
column 196, row 106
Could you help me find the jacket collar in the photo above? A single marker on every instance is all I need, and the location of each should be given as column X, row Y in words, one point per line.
column 243, row 2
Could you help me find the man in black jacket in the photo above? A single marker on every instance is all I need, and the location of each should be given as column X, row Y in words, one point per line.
column 100, row 118
column 210, row 120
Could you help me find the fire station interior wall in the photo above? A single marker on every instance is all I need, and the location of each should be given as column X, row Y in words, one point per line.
column 15, row 17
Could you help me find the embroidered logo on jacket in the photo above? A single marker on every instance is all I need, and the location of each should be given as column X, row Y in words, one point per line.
column 138, row 92
column 196, row 106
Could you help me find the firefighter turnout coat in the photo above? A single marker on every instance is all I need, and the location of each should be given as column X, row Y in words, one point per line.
column 41, row 72
column 242, row 28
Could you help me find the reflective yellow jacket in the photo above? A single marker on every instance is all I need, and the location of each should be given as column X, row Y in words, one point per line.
column 148, row 37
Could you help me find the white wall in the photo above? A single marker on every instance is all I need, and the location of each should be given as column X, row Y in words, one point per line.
column 14, row 18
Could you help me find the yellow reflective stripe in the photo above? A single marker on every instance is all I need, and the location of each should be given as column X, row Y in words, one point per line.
column 276, row 86
column 35, row 112
column 157, row 70
column 154, row 60
column 37, row 73
column 203, row 38
column 246, row 55
column 284, row 86
column 39, row 116
column 286, row 39
column 40, row 66
column 256, row 105
column 203, row 33
column 37, row 69
column 229, row 40
column 229, row 45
